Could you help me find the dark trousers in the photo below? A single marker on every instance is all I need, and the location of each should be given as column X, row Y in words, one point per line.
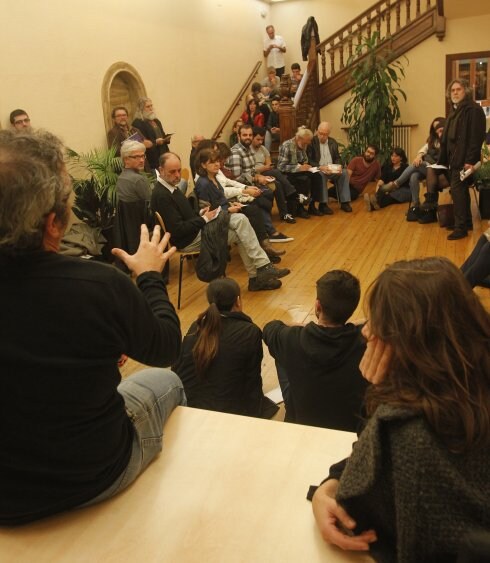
column 477, row 266
column 284, row 190
column 461, row 198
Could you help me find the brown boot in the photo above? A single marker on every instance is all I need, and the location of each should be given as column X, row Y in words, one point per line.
column 269, row 250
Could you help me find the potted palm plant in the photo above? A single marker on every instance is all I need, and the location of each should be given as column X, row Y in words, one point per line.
column 372, row 108
column 94, row 176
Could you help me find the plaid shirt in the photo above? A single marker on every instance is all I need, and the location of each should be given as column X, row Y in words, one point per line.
column 241, row 162
column 291, row 156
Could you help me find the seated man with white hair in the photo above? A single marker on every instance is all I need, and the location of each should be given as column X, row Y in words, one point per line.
column 293, row 161
column 324, row 153
column 133, row 197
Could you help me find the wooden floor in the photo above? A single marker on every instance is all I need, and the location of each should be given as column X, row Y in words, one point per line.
column 361, row 242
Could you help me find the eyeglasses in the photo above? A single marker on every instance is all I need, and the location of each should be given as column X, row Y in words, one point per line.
column 137, row 156
column 26, row 120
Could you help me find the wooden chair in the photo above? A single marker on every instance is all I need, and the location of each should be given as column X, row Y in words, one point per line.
column 182, row 256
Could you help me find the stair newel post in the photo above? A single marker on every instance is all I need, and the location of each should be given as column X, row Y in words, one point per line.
column 287, row 112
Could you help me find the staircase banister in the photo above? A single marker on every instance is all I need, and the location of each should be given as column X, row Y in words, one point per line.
column 237, row 100
column 353, row 22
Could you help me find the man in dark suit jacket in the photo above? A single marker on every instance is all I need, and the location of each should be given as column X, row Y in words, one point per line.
column 324, row 152
column 156, row 141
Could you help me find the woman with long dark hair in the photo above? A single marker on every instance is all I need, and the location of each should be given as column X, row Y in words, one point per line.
column 391, row 171
column 252, row 115
column 220, row 361
column 417, row 480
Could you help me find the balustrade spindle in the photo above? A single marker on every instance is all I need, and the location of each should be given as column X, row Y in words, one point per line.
column 378, row 20
column 417, row 10
column 368, row 26
column 341, row 51
column 324, row 64
column 332, row 58
column 350, row 41
column 398, row 8
column 388, row 18
column 407, row 3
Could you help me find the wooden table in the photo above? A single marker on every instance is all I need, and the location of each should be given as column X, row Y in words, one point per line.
column 225, row 489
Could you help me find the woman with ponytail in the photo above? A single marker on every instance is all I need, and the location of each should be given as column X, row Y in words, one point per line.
column 220, row 361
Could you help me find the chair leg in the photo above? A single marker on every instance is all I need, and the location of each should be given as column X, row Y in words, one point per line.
column 475, row 193
column 180, row 279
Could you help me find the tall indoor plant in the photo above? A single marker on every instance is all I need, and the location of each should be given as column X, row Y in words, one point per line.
column 372, row 108
column 95, row 175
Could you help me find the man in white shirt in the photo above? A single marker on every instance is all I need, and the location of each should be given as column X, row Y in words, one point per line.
column 274, row 49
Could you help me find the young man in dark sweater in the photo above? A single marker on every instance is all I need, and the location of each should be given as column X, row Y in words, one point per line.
column 318, row 364
column 72, row 433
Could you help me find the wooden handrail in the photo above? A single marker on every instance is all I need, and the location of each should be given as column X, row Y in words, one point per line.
column 237, row 100
column 388, row 18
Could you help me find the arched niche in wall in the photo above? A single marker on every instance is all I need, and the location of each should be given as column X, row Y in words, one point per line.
column 122, row 86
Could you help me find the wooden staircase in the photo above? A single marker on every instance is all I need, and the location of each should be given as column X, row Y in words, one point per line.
column 401, row 24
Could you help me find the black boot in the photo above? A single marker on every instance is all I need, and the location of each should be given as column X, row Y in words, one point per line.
column 431, row 200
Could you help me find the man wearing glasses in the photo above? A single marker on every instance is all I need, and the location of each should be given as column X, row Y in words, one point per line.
column 20, row 121
column 121, row 130
column 133, row 197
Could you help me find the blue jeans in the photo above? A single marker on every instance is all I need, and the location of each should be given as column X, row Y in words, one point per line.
column 150, row 396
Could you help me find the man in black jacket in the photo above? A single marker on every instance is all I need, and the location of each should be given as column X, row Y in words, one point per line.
column 185, row 226
column 156, row 140
column 72, row 433
column 318, row 364
column 461, row 149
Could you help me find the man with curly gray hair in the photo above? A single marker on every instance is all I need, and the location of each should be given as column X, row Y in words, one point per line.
column 72, row 433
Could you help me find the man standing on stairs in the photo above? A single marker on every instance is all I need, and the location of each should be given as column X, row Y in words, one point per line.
column 274, row 49
column 461, row 149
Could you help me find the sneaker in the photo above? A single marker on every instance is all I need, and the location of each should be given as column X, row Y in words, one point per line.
column 288, row 218
column 367, row 202
column 324, row 209
column 414, row 213
column 254, row 284
column 280, row 237
column 301, row 212
column 270, row 271
column 345, row 206
column 374, row 202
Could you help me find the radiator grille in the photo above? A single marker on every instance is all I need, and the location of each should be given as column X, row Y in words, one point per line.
column 401, row 138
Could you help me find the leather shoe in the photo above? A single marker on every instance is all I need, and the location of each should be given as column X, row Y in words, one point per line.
column 346, row 207
column 457, row 234
column 312, row 210
column 301, row 212
column 325, row 209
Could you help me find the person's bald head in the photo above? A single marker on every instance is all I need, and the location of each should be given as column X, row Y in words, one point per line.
column 170, row 168
column 323, row 131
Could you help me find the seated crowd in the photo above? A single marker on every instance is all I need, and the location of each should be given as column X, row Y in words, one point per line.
column 413, row 381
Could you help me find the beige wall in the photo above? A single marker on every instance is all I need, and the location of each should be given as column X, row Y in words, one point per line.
column 289, row 18
column 193, row 56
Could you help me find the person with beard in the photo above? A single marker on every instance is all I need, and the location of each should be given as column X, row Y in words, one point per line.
column 362, row 170
column 20, row 121
column 121, row 130
column 156, row 141
column 242, row 166
column 461, row 149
